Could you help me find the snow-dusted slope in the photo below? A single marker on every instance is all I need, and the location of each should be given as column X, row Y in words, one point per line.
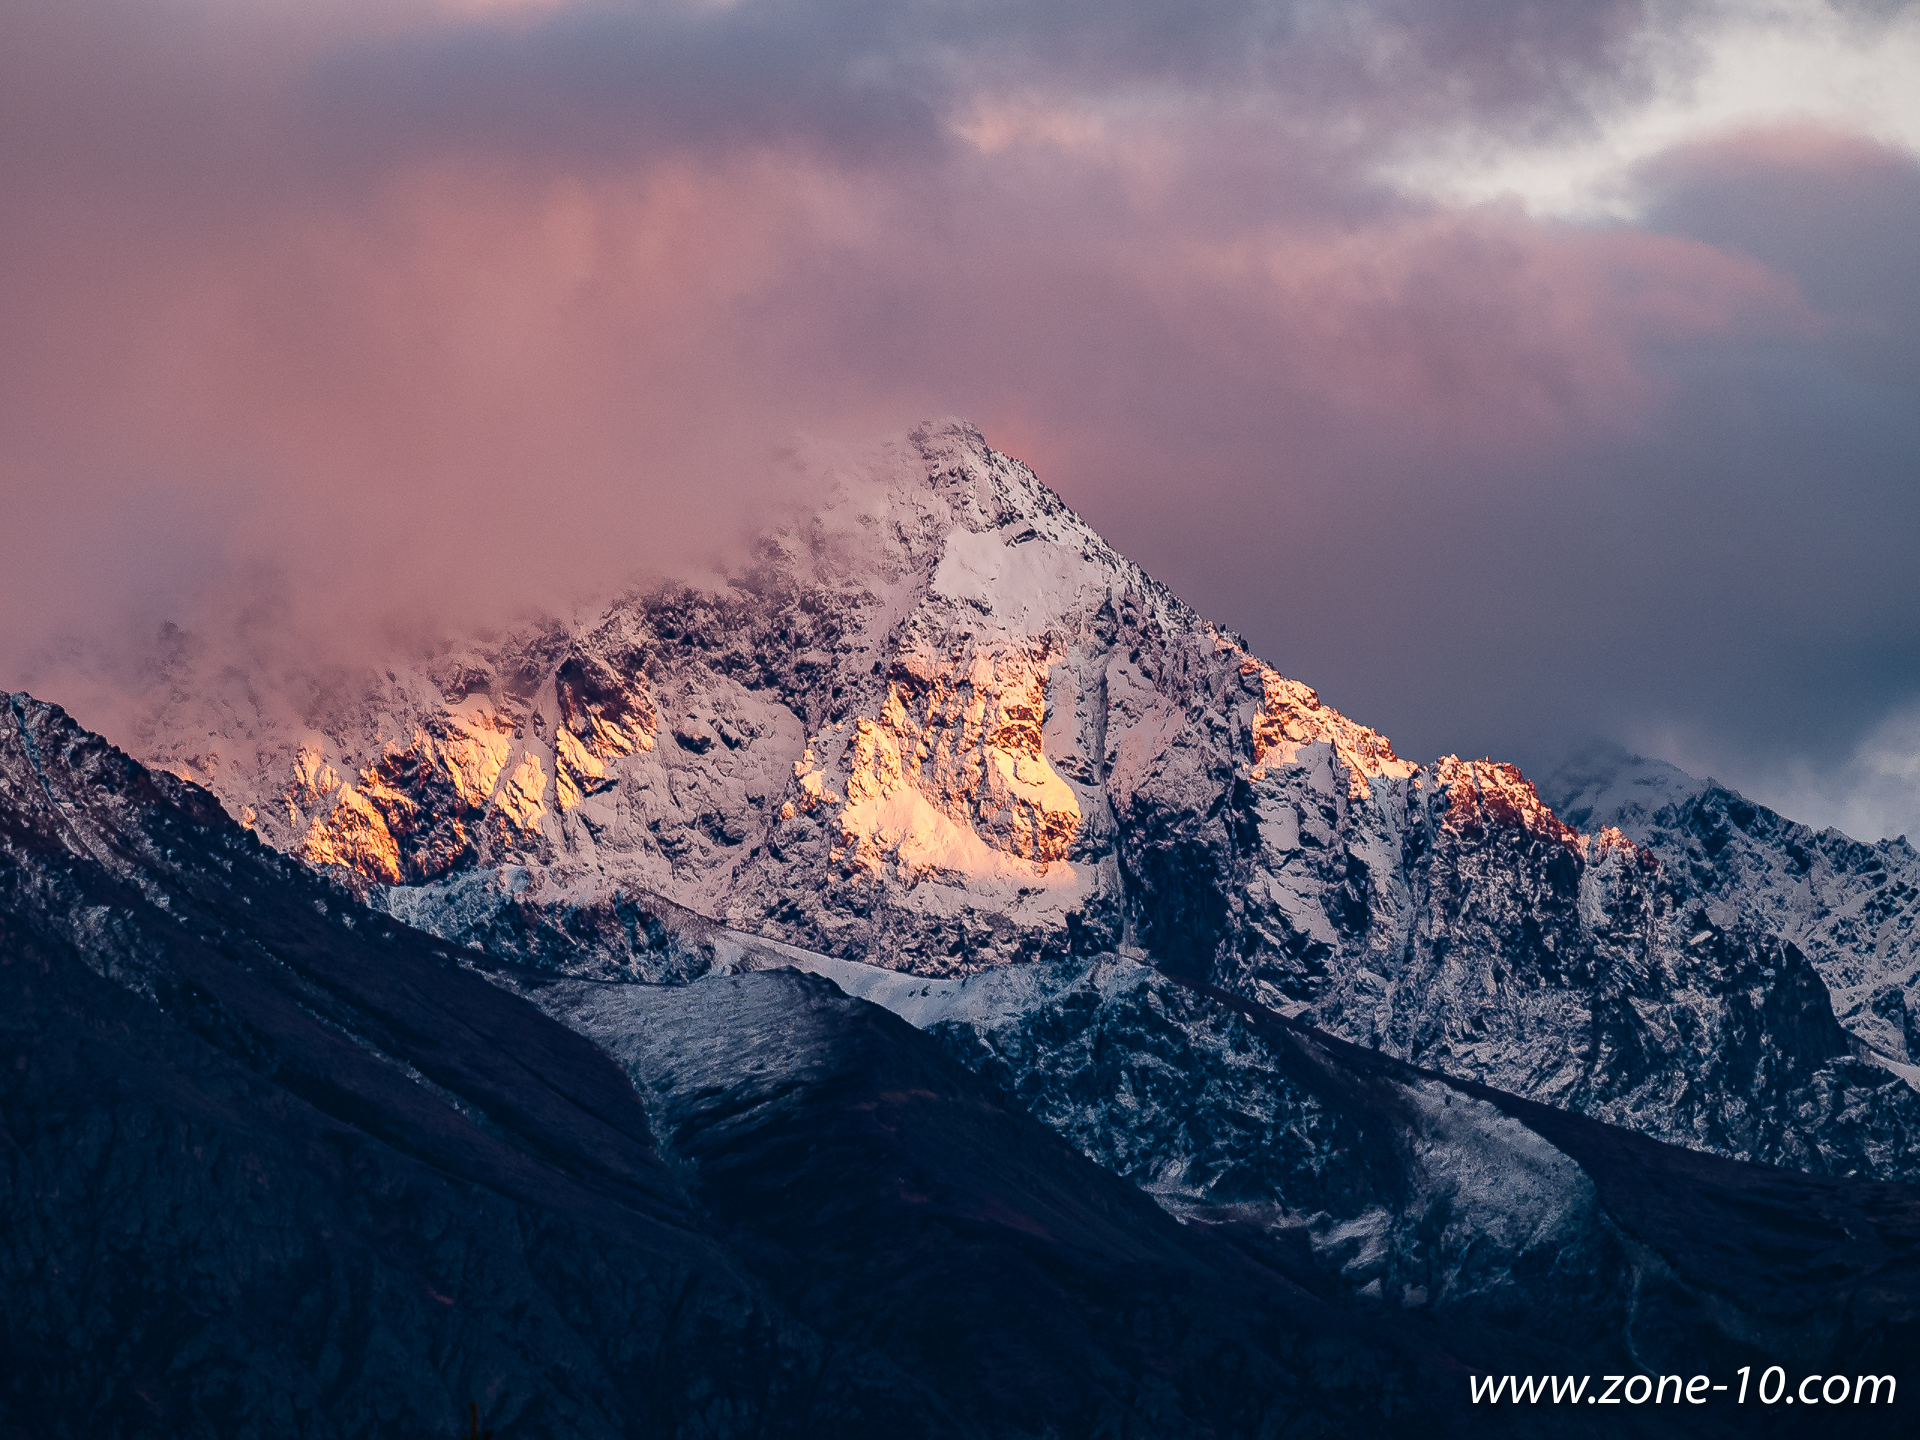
column 1852, row 908
column 1397, row 1193
column 939, row 725
column 901, row 733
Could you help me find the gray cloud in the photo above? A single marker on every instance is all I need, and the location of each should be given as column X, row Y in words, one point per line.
column 1730, row 581
column 600, row 86
column 380, row 315
column 867, row 82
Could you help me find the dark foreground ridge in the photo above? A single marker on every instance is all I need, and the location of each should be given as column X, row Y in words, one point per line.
column 1718, row 1260
column 275, row 1164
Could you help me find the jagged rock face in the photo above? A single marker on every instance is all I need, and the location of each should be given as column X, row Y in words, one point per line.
column 939, row 726
column 1852, row 908
column 1414, row 1193
column 889, row 736
column 1451, row 919
column 907, row 732
column 275, row 1164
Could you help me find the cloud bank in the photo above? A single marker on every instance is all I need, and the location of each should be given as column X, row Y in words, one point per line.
column 326, row 321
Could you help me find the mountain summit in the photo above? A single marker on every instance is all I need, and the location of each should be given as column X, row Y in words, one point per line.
column 939, row 726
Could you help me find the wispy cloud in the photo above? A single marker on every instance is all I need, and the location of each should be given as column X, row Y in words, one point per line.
column 444, row 309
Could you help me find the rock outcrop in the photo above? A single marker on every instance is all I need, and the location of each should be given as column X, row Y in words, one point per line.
column 938, row 725
column 273, row 1163
column 1852, row 908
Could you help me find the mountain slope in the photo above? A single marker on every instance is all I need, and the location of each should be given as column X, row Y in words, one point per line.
column 1851, row 907
column 813, row 1122
column 273, row 1163
column 1416, row 1194
column 939, row 725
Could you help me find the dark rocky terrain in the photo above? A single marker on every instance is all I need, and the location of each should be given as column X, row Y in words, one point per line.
column 1851, row 907
column 1413, row 1191
column 273, row 1166
column 275, row 1163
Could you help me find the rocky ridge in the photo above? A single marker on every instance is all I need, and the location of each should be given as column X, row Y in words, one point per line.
column 1395, row 1188
column 938, row 725
column 1851, row 907
column 272, row 1163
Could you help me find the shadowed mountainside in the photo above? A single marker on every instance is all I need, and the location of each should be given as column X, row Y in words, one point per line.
column 274, row 1163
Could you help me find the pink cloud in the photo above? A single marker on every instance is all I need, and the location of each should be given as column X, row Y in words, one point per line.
column 443, row 373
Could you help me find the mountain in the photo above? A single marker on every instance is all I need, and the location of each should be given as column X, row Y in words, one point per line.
column 1403, row 1189
column 276, row 1163
column 938, row 725
column 1852, row 908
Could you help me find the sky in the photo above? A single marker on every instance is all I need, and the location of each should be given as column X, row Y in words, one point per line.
column 1514, row 372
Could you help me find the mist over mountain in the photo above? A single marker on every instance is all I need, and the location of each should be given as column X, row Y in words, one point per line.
column 922, row 978
column 410, row 315
column 938, row 725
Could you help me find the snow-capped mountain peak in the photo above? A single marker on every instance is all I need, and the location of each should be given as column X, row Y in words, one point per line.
column 937, row 724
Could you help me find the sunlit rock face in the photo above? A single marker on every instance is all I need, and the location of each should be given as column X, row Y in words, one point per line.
column 889, row 736
column 939, row 725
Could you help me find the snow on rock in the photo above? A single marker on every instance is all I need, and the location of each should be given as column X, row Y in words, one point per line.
column 1290, row 716
column 938, row 725
column 1597, row 784
column 1484, row 794
column 1852, row 908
